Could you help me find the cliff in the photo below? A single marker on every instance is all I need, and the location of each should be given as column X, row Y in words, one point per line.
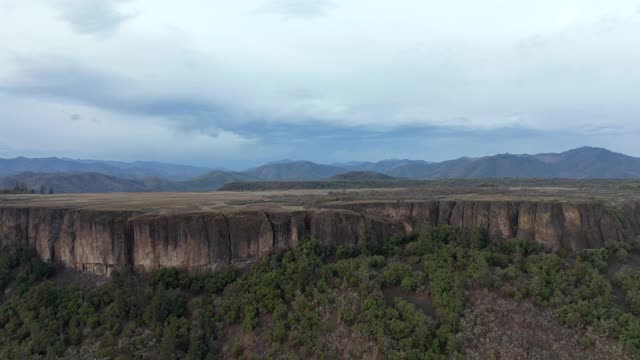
column 100, row 240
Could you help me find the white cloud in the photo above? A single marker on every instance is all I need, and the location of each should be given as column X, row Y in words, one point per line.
column 45, row 128
column 222, row 67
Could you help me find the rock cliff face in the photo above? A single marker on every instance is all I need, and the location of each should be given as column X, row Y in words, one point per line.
column 557, row 225
column 100, row 241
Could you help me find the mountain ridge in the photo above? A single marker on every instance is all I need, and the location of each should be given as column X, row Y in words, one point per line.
column 83, row 182
column 128, row 170
column 579, row 163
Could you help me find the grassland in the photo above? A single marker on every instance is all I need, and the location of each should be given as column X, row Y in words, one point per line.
column 286, row 199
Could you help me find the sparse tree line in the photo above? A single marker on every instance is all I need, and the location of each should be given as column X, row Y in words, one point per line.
column 23, row 188
column 296, row 299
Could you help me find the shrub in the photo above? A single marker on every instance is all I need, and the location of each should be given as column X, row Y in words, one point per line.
column 474, row 238
column 522, row 247
column 346, row 252
column 215, row 282
column 384, row 247
column 408, row 283
column 635, row 245
column 478, row 270
column 165, row 304
column 394, row 273
column 597, row 257
column 444, row 234
column 632, row 298
column 627, row 278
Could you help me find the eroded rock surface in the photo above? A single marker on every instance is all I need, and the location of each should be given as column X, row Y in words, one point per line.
column 101, row 239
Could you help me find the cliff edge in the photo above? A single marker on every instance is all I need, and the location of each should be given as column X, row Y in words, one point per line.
column 101, row 233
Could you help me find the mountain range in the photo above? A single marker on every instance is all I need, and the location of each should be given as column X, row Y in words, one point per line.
column 82, row 182
column 581, row 163
column 68, row 175
column 126, row 170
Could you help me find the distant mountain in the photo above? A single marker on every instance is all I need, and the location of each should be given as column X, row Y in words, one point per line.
column 208, row 182
column 385, row 166
column 67, row 175
column 589, row 162
column 88, row 182
column 72, row 182
column 295, row 170
column 581, row 163
column 283, row 161
column 307, row 170
column 361, row 175
column 126, row 170
column 498, row 166
column 143, row 169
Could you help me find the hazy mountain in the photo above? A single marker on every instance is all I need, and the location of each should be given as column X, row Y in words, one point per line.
column 109, row 176
column 353, row 164
column 589, row 162
column 208, row 182
column 585, row 162
column 485, row 167
column 362, row 175
column 143, row 169
column 295, row 170
column 307, row 170
column 126, row 170
column 89, row 182
column 72, row 182
column 383, row 166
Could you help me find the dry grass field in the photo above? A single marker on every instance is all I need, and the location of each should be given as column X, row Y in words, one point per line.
column 167, row 202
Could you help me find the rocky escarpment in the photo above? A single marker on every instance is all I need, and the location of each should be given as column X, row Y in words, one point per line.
column 100, row 241
column 555, row 224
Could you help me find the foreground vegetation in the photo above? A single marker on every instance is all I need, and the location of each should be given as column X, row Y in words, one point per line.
column 305, row 302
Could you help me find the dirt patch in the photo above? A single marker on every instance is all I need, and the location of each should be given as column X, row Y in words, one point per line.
column 499, row 328
column 67, row 277
column 420, row 301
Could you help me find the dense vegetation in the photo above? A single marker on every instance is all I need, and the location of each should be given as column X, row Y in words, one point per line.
column 297, row 299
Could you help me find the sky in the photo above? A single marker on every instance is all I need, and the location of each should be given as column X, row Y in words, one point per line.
column 234, row 84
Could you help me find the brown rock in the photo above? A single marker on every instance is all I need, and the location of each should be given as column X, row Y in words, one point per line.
column 100, row 241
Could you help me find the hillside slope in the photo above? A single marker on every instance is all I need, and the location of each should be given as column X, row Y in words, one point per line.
column 581, row 163
column 295, row 170
column 212, row 180
column 86, row 182
column 361, row 175
column 128, row 170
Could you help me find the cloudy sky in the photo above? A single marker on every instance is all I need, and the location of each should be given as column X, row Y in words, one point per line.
column 237, row 83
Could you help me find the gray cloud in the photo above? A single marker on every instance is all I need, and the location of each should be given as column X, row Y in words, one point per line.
column 423, row 78
column 106, row 90
column 92, row 16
